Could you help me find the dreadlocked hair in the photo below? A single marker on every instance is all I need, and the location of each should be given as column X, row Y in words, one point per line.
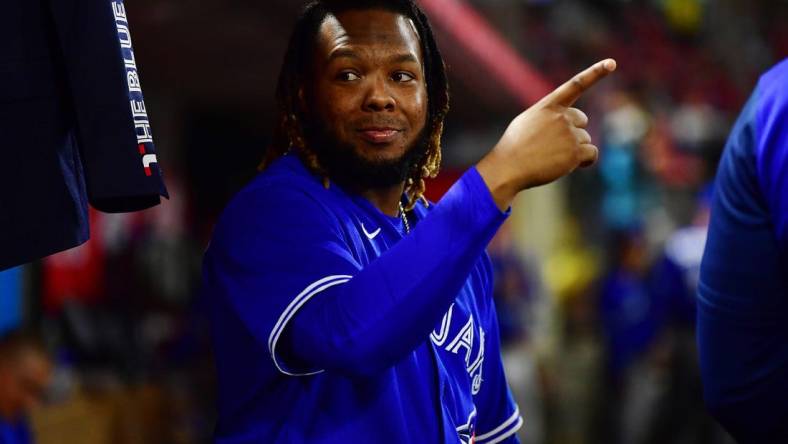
column 289, row 134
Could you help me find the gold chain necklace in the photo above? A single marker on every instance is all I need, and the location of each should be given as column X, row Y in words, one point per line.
column 404, row 218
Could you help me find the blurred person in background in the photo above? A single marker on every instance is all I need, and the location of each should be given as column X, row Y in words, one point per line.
column 631, row 319
column 343, row 309
column 743, row 289
column 629, row 314
column 676, row 406
column 25, row 371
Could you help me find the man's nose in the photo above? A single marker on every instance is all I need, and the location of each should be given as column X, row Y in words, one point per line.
column 378, row 96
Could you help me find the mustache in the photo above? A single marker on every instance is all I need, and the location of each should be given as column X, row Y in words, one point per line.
column 379, row 122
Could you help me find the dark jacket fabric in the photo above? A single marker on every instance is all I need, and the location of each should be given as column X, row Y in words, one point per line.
column 73, row 126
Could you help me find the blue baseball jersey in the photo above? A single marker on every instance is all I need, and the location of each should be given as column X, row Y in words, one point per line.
column 332, row 325
column 743, row 288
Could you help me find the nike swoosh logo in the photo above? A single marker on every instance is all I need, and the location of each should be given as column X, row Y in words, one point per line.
column 371, row 235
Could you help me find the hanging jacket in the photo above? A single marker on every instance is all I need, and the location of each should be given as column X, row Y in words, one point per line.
column 73, row 124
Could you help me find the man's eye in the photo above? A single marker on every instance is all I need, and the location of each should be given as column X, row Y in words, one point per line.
column 347, row 76
column 401, row 76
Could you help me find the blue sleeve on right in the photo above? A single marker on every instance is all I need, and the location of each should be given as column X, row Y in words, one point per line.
column 743, row 290
column 387, row 309
column 771, row 149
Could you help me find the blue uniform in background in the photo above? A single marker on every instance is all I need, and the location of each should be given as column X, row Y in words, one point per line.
column 10, row 299
column 331, row 325
column 743, row 289
column 15, row 433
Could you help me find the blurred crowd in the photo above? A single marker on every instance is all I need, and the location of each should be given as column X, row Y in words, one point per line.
column 600, row 324
column 597, row 318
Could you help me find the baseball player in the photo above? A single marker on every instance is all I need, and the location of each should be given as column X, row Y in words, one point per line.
column 345, row 307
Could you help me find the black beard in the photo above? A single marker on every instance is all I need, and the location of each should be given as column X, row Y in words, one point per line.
column 350, row 170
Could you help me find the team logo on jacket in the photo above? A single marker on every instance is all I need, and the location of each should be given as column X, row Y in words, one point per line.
column 138, row 111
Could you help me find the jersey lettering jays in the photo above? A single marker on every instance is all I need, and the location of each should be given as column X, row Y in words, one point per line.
column 458, row 334
column 458, row 339
column 464, row 340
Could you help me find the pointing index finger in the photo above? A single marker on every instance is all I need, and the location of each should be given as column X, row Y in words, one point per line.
column 569, row 92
